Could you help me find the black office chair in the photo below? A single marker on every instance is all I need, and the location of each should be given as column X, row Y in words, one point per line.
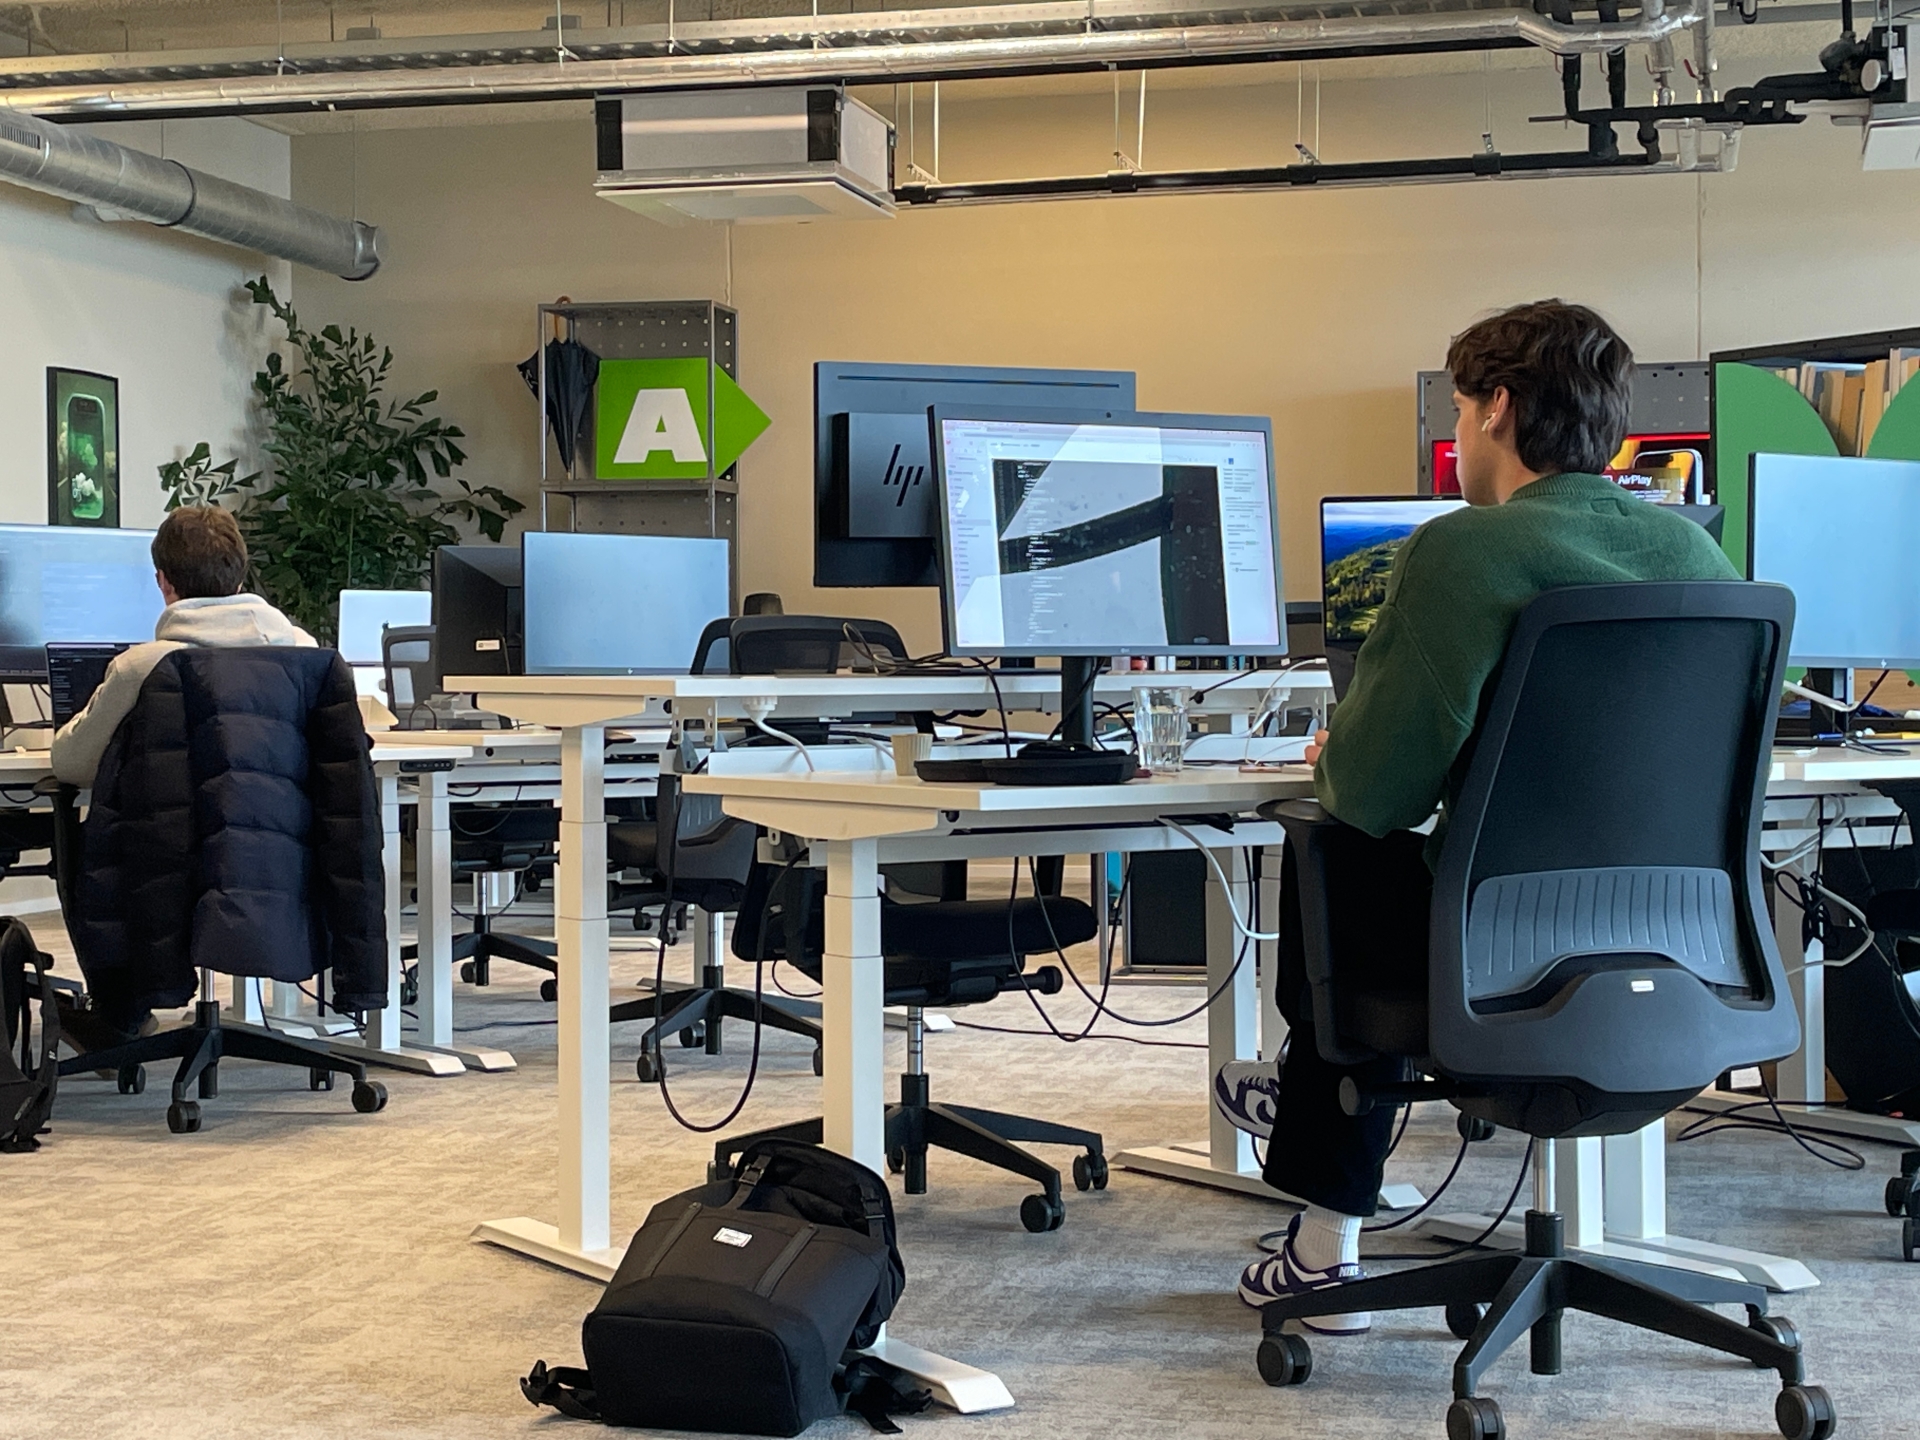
column 406, row 658
column 1600, row 952
column 714, row 853
column 942, row 952
column 100, row 877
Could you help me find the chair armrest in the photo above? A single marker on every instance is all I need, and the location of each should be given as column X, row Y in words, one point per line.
column 1311, row 830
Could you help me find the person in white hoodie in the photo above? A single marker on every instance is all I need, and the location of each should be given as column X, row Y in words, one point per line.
column 200, row 563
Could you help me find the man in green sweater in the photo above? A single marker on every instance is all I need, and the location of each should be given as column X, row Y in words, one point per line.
column 1542, row 394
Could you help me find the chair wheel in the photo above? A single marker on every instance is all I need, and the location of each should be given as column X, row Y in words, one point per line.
column 318, row 1079
column 369, row 1096
column 819, row 1061
column 1463, row 1318
column 550, row 990
column 896, row 1161
column 132, row 1079
column 693, row 1036
column 1041, row 1214
column 1804, row 1412
column 647, row 1067
column 1284, row 1359
column 1900, row 1191
column 1473, row 1129
column 467, row 972
column 183, row 1117
column 1475, row 1418
column 1089, row 1172
column 1910, row 1239
column 1775, row 1327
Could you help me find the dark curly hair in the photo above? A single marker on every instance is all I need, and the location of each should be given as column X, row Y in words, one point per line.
column 1569, row 375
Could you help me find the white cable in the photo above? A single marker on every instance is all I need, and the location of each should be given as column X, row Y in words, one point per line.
column 1226, row 885
column 785, row 739
column 1826, row 702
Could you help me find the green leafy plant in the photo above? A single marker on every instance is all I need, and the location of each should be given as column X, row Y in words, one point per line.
column 349, row 501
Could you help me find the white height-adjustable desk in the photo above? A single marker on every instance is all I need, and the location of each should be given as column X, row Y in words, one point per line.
column 852, row 818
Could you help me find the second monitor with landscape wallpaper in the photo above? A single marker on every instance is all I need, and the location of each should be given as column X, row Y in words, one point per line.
column 1359, row 537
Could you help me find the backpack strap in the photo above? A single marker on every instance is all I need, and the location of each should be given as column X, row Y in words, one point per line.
column 672, row 1237
column 877, row 1391
column 566, row 1388
column 783, row 1262
column 747, row 1182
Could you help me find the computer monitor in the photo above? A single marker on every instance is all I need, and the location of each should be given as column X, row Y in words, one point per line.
column 1359, row 537
column 1109, row 533
column 875, row 516
column 619, row 604
column 476, row 611
column 365, row 613
column 74, row 672
column 65, row 584
column 1842, row 534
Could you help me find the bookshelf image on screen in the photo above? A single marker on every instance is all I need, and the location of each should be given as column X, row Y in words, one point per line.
column 1359, row 539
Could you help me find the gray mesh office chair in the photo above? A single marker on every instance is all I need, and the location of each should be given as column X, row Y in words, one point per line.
column 1599, row 953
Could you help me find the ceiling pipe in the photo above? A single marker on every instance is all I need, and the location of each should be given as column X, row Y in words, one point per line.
column 864, row 63
column 129, row 184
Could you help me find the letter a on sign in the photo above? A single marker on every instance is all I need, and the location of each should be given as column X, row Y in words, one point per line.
column 661, row 420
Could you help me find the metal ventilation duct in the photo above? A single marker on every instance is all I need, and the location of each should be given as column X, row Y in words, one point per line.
column 1025, row 43
column 122, row 183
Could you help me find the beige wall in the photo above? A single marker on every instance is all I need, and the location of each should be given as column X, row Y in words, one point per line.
column 1314, row 308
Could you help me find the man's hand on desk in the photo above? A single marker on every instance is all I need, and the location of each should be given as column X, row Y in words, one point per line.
column 1312, row 753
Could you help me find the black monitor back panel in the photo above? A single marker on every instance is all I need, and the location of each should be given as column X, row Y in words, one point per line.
column 875, row 518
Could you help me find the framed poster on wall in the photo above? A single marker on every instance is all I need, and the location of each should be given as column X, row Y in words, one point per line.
column 83, row 448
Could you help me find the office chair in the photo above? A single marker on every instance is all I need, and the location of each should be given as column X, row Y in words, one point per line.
column 1600, row 952
column 201, row 1045
column 762, row 602
column 406, row 655
column 713, row 854
column 943, row 952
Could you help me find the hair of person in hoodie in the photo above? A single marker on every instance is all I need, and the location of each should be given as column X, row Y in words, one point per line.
column 198, row 552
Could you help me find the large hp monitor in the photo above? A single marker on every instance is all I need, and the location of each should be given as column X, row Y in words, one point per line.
column 476, row 611
column 1111, row 533
column 1842, row 534
column 619, row 604
column 876, row 518
column 68, row 584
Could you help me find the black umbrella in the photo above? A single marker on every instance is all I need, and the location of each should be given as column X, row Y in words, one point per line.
column 572, row 370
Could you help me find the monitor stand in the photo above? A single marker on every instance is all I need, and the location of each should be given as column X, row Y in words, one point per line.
column 1077, row 676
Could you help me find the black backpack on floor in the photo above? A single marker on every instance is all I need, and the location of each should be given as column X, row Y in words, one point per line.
column 27, row 1085
column 740, row 1305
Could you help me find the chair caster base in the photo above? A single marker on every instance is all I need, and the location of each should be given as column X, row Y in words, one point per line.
column 1284, row 1359
column 1463, row 1318
column 318, row 1079
column 369, row 1096
column 1475, row 1418
column 1804, row 1412
column 1041, row 1213
column 183, row 1117
column 1089, row 1172
column 131, row 1079
column 550, row 990
column 647, row 1068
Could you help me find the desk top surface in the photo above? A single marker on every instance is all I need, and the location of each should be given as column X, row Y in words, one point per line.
column 1185, row 791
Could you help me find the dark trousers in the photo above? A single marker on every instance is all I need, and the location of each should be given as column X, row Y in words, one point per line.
column 1380, row 895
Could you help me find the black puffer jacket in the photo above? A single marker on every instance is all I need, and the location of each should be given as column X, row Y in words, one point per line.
column 235, row 824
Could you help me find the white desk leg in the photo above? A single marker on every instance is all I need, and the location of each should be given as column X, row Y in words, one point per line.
column 380, row 1045
column 433, row 867
column 1273, row 1025
column 853, row 1087
column 1232, row 1020
column 582, row 1240
column 1803, row 1074
column 1578, row 1189
column 1636, row 1183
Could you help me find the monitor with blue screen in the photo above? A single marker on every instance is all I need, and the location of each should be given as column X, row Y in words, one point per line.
column 68, row 584
column 619, row 604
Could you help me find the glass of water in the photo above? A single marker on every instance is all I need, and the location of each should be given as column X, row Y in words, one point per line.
column 1160, row 722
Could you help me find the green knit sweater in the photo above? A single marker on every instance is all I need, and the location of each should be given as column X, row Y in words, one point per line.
column 1457, row 586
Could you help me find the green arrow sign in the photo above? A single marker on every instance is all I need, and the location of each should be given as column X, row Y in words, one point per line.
column 650, row 420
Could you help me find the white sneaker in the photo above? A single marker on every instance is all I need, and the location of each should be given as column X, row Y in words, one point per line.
column 1247, row 1092
column 1275, row 1277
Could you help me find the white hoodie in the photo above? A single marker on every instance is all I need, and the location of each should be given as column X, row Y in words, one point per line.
column 219, row 621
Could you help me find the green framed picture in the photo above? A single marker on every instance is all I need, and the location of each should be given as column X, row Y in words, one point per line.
column 83, row 448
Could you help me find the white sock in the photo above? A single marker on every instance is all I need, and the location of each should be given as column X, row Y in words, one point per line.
column 1327, row 1238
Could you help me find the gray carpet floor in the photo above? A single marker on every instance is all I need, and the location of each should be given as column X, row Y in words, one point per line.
column 298, row 1270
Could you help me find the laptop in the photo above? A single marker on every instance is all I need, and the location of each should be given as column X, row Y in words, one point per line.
column 1359, row 537
column 74, row 672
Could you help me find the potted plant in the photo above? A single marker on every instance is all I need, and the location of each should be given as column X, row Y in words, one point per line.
column 349, row 502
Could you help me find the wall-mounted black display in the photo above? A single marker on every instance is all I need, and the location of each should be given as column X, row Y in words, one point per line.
column 83, row 448
column 875, row 521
